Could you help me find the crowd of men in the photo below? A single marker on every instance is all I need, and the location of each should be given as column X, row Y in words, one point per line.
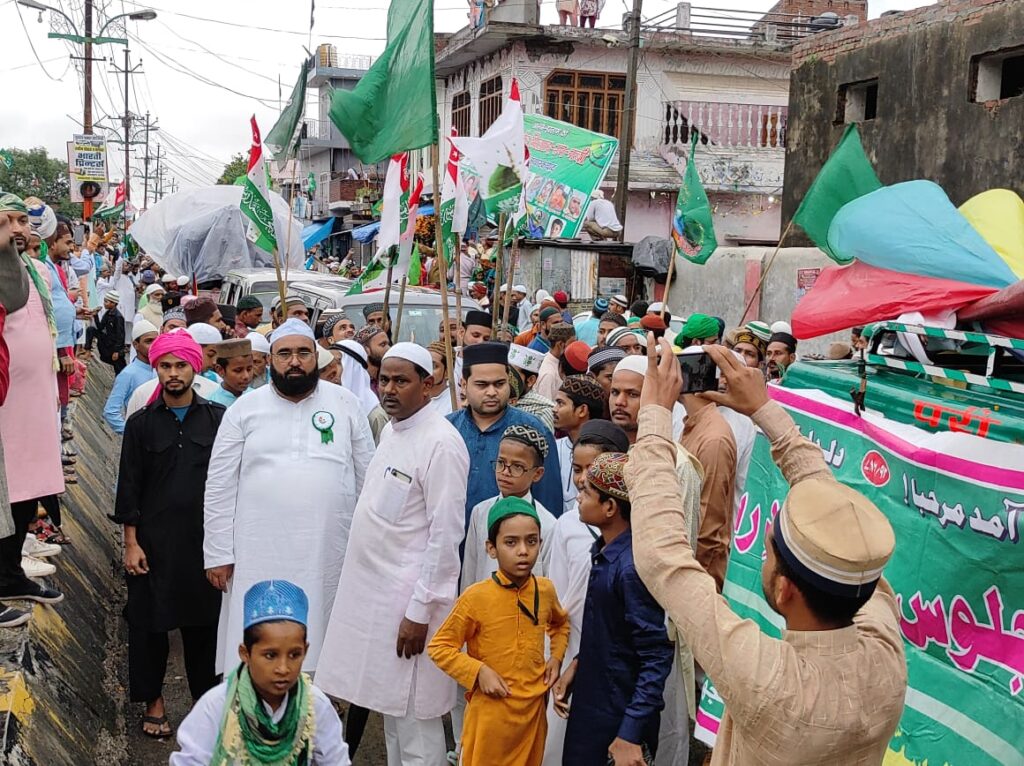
column 534, row 544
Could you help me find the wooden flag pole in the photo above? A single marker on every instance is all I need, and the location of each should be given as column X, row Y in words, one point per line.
column 282, row 290
column 498, row 251
column 401, row 306
column 668, row 283
column 508, row 283
column 387, row 292
column 757, row 290
column 442, row 269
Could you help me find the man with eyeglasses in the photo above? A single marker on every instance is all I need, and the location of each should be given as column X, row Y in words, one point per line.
column 287, row 468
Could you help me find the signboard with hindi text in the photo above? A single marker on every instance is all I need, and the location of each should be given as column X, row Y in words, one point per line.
column 87, row 162
column 955, row 498
column 567, row 164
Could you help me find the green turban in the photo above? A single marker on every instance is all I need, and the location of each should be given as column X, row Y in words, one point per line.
column 510, row 506
column 697, row 327
column 12, row 203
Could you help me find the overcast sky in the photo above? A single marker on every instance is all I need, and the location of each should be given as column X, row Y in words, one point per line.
column 203, row 124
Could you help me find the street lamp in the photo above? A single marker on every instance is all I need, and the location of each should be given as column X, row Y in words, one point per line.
column 88, row 39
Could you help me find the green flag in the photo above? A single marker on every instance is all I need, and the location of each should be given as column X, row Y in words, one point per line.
column 693, row 231
column 845, row 176
column 283, row 138
column 255, row 202
column 311, row 183
column 8, row 158
column 394, row 107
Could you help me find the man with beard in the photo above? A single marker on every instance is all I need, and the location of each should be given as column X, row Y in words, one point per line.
column 484, row 420
column 295, row 308
column 28, row 419
column 167, row 444
column 401, row 572
column 376, row 343
column 287, row 468
column 139, row 371
column 205, row 310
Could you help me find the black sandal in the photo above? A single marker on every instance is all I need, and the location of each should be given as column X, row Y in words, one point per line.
column 157, row 721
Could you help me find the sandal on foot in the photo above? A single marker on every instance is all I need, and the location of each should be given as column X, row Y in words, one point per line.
column 160, row 721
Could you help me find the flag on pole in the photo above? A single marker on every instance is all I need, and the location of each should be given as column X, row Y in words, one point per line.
column 846, row 175
column 7, row 158
column 255, row 197
column 693, row 231
column 393, row 203
column 500, row 157
column 408, row 254
column 453, row 212
column 283, row 138
column 393, row 108
column 113, row 206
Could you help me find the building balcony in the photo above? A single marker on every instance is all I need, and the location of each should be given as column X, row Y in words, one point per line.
column 741, row 148
column 321, row 135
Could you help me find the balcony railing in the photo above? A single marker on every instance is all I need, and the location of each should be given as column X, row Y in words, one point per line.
column 741, row 126
column 316, row 130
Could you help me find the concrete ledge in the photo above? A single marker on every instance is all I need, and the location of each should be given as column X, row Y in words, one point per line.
column 60, row 699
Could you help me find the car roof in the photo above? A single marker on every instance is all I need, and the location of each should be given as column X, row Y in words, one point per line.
column 418, row 295
column 294, row 275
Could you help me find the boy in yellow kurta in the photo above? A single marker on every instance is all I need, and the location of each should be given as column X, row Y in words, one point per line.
column 502, row 621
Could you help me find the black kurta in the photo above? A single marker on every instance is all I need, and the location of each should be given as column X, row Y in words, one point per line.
column 160, row 491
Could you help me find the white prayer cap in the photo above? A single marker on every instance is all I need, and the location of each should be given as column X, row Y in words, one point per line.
column 542, row 295
column 323, row 357
column 632, row 363
column 503, row 288
column 183, row 281
column 655, row 308
column 290, row 327
column 167, row 278
column 143, row 327
column 259, row 343
column 597, row 194
column 156, row 287
column 520, row 289
column 204, row 334
column 613, row 338
column 781, row 326
column 620, row 300
column 412, row 352
column 356, row 349
column 525, row 358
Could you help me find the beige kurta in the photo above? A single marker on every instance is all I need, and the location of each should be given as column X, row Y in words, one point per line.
column 811, row 698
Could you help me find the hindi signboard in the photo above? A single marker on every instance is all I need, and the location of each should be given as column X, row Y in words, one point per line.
column 567, row 164
column 87, row 162
column 955, row 500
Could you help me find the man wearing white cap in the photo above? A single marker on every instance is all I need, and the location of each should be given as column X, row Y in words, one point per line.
column 260, row 359
column 527, row 363
column 600, row 221
column 136, row 373
column 680, row 697
column 287, row 467
column 107, row 329
column 522, row 298
column 832, row 689
column 205, row 384
column 153, row 310
column 401, row 572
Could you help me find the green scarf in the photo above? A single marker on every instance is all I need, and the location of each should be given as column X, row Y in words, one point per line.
column 249, row 736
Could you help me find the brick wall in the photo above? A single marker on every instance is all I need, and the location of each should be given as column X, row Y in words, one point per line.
column 826, row 46
column 812, row 8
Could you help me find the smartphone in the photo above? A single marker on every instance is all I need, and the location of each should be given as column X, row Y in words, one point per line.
column 700, row 373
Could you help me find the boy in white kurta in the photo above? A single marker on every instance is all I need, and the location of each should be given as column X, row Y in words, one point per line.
column 281, row 489
column 401, row 573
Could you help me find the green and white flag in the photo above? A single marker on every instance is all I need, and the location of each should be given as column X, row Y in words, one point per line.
column 113, row 207
column 255, row 197
column 454, row 209
column 283, row 138
column 8, row 158
column 693, row 230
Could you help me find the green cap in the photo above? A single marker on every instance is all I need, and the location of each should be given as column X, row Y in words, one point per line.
column 12, row 203
column 510, row 506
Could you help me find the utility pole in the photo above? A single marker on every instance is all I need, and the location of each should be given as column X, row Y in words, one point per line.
column 158, row 184
column 151, row 127
column 87, row 77
column 628, row 113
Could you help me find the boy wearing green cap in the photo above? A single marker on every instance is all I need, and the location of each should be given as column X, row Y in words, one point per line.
column 503, row 622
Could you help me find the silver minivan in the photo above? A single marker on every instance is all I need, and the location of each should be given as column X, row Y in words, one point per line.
column 262, row 283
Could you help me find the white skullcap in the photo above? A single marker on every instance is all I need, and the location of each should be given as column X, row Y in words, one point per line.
column 503, row 289
column 291, row 326
column 156, row 287
column 525, row 358
column 632, row 363
column 781, row 326
column 204, row 334
column 167, row 278
column 412, row 352
column 542, row 295
column 259, row 343
column 323, row 357
column 655, row 308
column 142, row 327
column 520, row 289
column 620, row 300
column 182, row 281
column 356, row 349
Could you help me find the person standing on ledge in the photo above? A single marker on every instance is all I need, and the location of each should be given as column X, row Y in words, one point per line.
column 832, row 689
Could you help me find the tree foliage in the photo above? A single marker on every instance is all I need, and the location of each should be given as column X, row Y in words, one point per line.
column 36, row 174
column 238, row 166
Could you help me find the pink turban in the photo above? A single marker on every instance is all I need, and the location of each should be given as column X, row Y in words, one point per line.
column 179, row 344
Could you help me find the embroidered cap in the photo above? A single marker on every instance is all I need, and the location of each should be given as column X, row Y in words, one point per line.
column 525, row 358
column 529, row 436
column 833, row 537
column 273, row 600
column 607, row 473
column 372, row 308
column 603, row 355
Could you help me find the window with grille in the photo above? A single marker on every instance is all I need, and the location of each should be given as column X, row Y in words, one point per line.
column 490, row 102
column 460, row 113
column 590, row 100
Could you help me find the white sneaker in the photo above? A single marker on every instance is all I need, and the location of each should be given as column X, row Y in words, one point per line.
column 36, row 548
column 36, row 568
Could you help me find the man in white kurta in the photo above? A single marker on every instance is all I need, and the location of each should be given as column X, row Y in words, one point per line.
column 284, row 477
column 401, row 573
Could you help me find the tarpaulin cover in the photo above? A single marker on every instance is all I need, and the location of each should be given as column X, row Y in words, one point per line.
column 913, row 228
column 998, row 216
column 201, row 233
column 315, row 233
column 847, row 296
